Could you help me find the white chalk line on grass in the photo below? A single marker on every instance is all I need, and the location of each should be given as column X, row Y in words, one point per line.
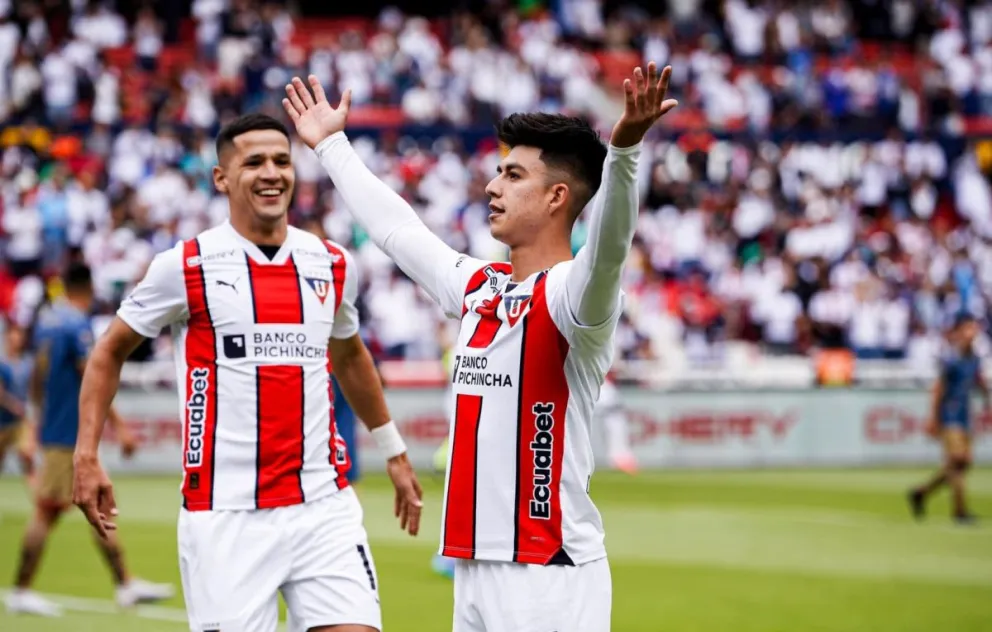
column 107, row 606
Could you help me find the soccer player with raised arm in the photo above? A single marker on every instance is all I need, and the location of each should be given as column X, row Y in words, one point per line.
column 257, row 310
column 535, row 343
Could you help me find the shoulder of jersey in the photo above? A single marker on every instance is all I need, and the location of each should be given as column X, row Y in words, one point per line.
column 334, row 246
column 339, row 254
column 305, row 239
column 209, row 235
column 207, row 241
column 560, row 268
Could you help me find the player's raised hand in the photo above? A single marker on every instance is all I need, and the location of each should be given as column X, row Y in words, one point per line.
column 645, row 103
column 409, row 495
column 312, row 114
column 93, row 493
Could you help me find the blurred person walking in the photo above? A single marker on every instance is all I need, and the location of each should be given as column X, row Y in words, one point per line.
column 950, row 419
column 63, row 338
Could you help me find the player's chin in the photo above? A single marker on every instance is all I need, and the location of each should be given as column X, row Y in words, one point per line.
column 498, row 226
column 271, row 209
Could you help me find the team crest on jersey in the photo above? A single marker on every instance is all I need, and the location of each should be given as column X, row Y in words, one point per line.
column 516, row 306
column 320, row 287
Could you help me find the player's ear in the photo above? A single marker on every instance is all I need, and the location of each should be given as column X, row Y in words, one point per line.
column 220, row 179
column 558, row 198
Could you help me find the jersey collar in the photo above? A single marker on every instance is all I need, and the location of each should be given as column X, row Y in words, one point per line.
column 255, row 252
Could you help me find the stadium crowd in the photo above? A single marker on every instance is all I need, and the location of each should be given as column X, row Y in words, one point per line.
column 823, row 184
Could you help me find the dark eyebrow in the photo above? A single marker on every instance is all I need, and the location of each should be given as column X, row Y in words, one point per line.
column 509, row 166
column 257, row 156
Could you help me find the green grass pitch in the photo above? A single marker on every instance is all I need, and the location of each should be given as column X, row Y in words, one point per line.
column 760, row 551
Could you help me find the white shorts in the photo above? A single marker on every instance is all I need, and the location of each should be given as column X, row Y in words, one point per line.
column 507, row 597
column 234, row 564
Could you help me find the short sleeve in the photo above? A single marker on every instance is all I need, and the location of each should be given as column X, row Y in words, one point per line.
column 6, row 378
column 452, row 281
column 39, row 333
column 82, row 339
column 580, row 336
column 159, row 299
column 346, row 323
column 946, row 365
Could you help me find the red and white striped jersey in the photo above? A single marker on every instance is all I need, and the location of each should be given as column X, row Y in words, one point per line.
column 252, row 365
column 526, row 377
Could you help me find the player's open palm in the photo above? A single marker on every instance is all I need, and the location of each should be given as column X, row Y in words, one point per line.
column 409, row 495
column 314, row 117
column 644, row 104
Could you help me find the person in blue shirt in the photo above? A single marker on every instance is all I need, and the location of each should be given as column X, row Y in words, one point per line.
column 16, row 429
column 950, row 418
column 62, row 340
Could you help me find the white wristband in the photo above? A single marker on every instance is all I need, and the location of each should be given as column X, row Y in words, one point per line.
column 388, row 438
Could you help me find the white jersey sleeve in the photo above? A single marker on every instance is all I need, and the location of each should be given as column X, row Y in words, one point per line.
column 579, row 336
column 396, row 228
column 159, row 299
column 453, row 280
column 593, row 280
column 346, row 322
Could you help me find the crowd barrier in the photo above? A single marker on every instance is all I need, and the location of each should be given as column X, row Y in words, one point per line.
column 730, row 429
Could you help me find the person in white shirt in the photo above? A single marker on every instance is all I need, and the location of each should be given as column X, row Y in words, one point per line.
column 260, row 312
column 537, row 338
column 22, row 223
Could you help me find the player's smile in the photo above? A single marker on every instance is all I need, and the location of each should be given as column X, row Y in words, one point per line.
column 270, row 195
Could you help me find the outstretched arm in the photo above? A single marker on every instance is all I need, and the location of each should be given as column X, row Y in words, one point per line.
column 159, row 300
column 92, row 490
column 100, row 382
column 593, row 281
column 362, row 387
column 388, row 219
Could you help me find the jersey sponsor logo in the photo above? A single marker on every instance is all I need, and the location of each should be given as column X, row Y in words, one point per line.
column 334, row 258
column 492, row 275
column 196, row 260
column 286, row 345
column 234, row 346
column 320, row 287
column 196, row 415
column 471, row 370
column 541, row 450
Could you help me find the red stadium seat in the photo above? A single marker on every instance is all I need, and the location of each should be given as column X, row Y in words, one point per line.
column 122, row 57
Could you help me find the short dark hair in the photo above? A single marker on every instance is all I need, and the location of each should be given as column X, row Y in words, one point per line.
column 963, row 318
column 567, row 143
column 244, row 124
column 77, row 277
